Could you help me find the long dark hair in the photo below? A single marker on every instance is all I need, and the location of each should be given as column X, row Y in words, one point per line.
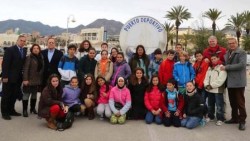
column 150, row 87
column 91, row 88
column 81, row 48
column 133, row 78
column 31, row 49
column 99, row 87
column 144, row 55
column 56, row 90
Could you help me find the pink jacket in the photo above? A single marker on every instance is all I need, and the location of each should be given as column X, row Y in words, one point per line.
column 120, row 95
column 104, row 99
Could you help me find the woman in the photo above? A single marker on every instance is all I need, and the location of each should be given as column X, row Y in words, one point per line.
column 104, row 67
column 88, row 95
column 32, row 78
column 51, row 106
column 121, row 68
column 140, row 59
column 83, row 49
column 113, row 54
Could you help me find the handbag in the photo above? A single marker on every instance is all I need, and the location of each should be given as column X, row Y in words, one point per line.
column 67, row 123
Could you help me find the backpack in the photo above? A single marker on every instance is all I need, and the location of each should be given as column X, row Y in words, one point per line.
column 67, row 123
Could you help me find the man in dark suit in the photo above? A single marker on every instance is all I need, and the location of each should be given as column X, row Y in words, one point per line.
column 12, row 67
column 52, row 58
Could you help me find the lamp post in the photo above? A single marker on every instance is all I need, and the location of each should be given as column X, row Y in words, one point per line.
column 70, row 18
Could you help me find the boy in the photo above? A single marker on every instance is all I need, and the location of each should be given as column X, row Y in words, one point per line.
column 104, row 46
column 154, row 65
column 166, row 68
column 214, row 85
column 67, row 66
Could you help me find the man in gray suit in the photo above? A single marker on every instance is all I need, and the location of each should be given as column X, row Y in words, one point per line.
column 235, row 65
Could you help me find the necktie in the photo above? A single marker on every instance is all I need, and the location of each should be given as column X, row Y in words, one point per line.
column 21, row 52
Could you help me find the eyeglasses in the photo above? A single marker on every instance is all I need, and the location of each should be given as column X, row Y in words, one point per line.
column 51, row 43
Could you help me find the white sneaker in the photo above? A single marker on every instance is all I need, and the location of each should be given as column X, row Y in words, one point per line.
column 219, row 123
column 209, row 119
column 101, row 117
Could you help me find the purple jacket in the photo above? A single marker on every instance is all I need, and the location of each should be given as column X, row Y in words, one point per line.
column 120, row 69
column 71, row 95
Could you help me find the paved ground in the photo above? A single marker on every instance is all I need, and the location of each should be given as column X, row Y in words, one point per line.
column 33, row 129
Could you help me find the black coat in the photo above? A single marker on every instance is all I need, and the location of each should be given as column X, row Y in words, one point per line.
column 193, row 105
column 52, row 66
column 12, row 65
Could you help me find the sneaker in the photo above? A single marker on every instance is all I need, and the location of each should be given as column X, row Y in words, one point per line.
column 219, row 123
column 209, row 119
column 101, row 117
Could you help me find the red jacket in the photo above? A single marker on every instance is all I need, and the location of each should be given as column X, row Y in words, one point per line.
column 221, row 51
column 179, row 101
column 200, row 69
column 154, row 100
column 166, row 71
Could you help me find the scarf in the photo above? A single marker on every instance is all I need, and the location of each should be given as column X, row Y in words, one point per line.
column 191, row 93
column 39, row 61
column 103, row 66
column 214, row 50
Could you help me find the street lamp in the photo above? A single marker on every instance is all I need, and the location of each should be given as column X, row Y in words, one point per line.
column 70, row 18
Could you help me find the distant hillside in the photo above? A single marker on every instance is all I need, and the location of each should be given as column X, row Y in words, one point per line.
column 112, row 27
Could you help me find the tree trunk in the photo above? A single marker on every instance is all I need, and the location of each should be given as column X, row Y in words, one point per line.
column 177, row 30
column 247, row 31
column 238, row 37
column 214, row 28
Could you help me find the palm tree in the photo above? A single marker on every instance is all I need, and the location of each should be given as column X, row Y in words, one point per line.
column 236, row 23
column 247, row 21
column 213, row 14
column 178, row 13
column 168, row 28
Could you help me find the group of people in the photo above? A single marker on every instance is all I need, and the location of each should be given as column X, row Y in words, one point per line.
column 171, row 91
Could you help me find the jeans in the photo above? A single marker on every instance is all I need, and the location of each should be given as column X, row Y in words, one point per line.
column 190, row 122
column 204, row 97
column 150, row 118
column 172, row 120
column 218, row 100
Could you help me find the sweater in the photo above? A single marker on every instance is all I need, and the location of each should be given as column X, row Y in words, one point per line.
column 216, row 79
column 166, row 71
column 121, row 96
column 67, row 67
column 71, row 96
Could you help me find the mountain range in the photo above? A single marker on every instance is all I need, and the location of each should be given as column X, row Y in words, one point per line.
column 111, row 26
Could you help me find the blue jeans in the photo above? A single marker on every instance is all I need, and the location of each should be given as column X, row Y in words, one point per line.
column 218, row 100
column 190, row 122
column 204, row 97
column 150, row 118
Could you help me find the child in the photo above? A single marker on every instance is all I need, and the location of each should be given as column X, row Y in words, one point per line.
column 119, row 101
column 214, row 85
column 103, row 92
column 88, row 95
column 183, row 71
column 174, row 104
column 154, row 101
column 70, row 96
column 104, row 67
column 67, row 66
column 83, row 49
column 137, row 86
column 104, row 46
column 193, row 108
column 121, row 68
column 155, row 63
column 200, row 67
column 113, row 54
column 166, row 68
column 51, row 106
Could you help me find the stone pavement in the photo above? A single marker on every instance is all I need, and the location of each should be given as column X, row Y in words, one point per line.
column 33, row 129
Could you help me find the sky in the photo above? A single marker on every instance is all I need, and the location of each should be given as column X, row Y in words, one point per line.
column 56, row 12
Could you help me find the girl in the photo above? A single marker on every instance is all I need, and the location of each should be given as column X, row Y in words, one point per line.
column 83, row 49
column 103, row 92
column 173, row 105
column 119, row 101
column 32, row 78
column 70, row 96
column 88, row 94
column 183, row 71
column 104, row 67
column 137, row 86
column 193, row 109
column 51, row 106
column 140, row 59
column 113, row 54
column 121, row 68
column 154, row 101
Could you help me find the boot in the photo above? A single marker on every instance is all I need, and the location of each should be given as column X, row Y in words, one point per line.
column 91, row 113
column 32, row 106
column 51, row 122
column 25, row 106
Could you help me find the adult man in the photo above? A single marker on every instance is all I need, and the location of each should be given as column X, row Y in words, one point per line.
column 178, row 49
column 51, row 57
column 12, row 67
column 235, row 65
column 214, row 48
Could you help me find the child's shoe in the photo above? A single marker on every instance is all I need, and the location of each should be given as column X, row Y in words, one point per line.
column 219, row 123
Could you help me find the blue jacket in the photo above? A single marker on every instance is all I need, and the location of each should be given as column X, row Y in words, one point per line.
column 67, row 67
column 183, row 73
column 71, row 95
